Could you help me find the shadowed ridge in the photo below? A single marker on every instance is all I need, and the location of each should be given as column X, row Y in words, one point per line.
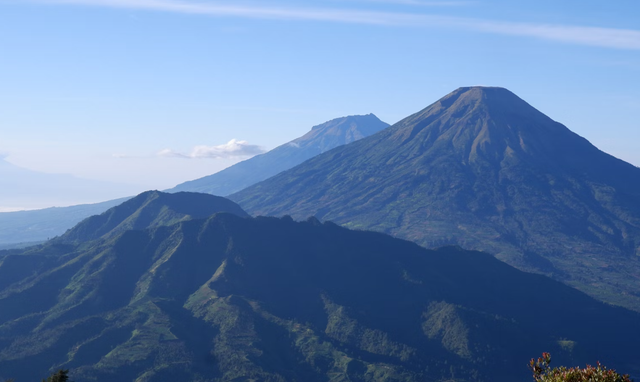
column 267, row 299
column 150, row 209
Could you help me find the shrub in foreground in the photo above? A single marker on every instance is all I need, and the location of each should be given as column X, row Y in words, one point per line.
column 542, row 372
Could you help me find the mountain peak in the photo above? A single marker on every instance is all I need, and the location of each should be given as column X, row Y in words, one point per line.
column 496, row 97
column 341, row 131
column 484, row 93
column 347, row 120
column 321, row 138
column 489, row 120
column 489, row 90
column 151, row 209
column 483, row 98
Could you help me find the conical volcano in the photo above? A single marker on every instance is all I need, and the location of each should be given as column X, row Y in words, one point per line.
column 483, row 169
column 321, row 138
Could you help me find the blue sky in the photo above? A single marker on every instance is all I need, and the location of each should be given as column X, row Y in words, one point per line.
column 126, row 90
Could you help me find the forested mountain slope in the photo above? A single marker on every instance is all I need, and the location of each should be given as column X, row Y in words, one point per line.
column 228, row 298
column 482, row 169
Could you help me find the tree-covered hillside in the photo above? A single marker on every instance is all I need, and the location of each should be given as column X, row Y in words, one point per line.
column 266, row 299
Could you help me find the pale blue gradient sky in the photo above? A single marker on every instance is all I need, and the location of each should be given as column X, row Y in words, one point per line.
column 97, row 88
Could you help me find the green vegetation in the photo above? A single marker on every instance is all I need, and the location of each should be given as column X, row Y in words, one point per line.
column 58, row 376
column 147, row 210
column 542, row 372
column 266, row 299
column 484, row 170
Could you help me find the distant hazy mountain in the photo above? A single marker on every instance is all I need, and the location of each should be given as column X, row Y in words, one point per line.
column 483, row 169
column 320, row 139
column 265, row 299
column 22, row 188
column 24, row 227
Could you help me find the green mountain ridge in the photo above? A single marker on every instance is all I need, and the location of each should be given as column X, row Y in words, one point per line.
column 482, row 169
column 321, row 138
column 228, row 298
column 148, row 210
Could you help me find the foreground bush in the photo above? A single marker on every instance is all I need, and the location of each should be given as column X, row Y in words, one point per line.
column 542, row 372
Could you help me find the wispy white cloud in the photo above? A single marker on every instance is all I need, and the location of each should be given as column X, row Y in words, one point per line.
column 594, row 36
column 232, row 149
column 582, row 35
column 222, row 10
column 420, row 3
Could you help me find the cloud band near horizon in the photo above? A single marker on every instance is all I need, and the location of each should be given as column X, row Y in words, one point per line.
column 628, row 39
column 232, row 149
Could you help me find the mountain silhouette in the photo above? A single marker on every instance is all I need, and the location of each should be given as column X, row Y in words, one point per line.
column 321, row 138
column 238, row 299
column 482, row 169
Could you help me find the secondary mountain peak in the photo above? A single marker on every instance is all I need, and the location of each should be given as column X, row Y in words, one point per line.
column 341, row 131
column 151, row 209
column 338, row 132
column 321, row 138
